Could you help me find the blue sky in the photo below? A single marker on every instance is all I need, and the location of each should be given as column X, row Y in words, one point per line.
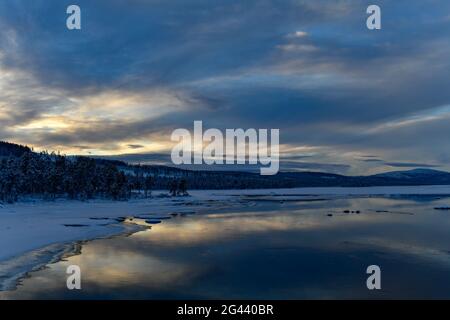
column 346, row 99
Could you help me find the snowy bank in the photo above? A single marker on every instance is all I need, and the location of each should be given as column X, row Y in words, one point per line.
column 34, row 233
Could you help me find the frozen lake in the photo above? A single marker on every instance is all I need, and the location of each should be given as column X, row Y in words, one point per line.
column 269, row 247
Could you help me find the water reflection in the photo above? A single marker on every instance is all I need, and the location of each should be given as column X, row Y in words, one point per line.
column 287, row 250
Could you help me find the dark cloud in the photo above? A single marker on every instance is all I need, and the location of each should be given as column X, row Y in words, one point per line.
column 314, row 166
column 410, row 165
column 238, row 64
column 81, row 147
column 142, row 158
column 135, row 146
column 371, row 160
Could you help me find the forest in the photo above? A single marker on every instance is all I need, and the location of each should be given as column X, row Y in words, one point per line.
column 50, row 175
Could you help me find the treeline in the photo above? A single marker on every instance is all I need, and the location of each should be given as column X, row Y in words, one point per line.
column 12, row 149
column 54, row 175
column 203, row 180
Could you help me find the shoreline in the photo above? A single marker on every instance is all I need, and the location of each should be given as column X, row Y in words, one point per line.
column 60, row 252
column 60, row 226
column 46, row 232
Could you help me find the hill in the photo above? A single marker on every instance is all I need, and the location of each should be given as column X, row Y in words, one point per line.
column 11, row 149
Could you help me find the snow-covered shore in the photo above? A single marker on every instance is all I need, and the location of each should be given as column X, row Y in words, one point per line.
column 34, row 233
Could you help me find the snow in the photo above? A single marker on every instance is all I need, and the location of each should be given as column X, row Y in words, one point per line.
column 34, row 233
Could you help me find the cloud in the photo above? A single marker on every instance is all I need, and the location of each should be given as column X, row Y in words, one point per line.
column 298, row 34
column 298, row 48
column 371, row 160
column 410, row 165
column 135, row 146
column 139, row 69
column 81, row 147
column 314, row 166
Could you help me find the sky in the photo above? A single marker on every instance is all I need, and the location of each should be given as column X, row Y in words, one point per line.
column 346, row 99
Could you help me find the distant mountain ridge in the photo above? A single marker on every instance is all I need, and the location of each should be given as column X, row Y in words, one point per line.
column 394, row 178
column 408, row 174
column 249, row 180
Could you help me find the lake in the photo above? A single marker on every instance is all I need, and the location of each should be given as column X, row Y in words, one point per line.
column 311, row 248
